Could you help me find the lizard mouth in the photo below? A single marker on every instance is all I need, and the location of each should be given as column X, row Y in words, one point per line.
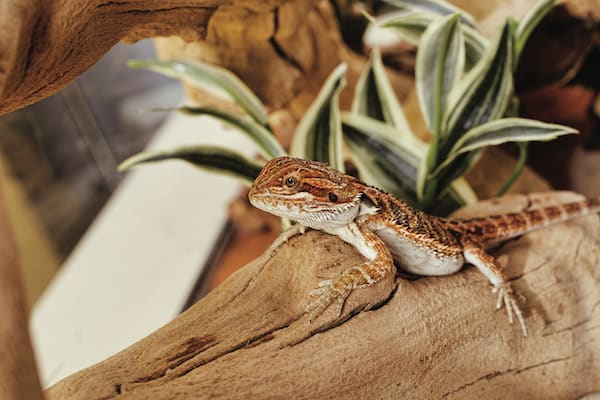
column 266, row 200
column 303, row 208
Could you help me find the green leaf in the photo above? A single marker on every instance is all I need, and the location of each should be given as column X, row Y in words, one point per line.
column 437, row 7
column 209, row 77
column 412, row 25
column 529, row 23
column 462, row 192
column 374, row 96
column 381, row 161
column 485, row 92
column 523, row 152
column 265, row 140
column 319, row 133
column 483, row 95
column 502, row 131
column 440, row 63
column 212, row 158
column 392, row 165
column 412, row 144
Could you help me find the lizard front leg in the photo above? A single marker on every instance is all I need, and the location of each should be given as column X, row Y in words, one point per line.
column 286, row 235
column 379, row 264
column 491, row 268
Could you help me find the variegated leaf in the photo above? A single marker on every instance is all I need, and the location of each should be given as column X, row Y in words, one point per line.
column 265, row 140
column 437, row 7
column 209, row 77
column 319, row 133
column 374, row 96
column 392, row 165
column 484, row 93
column 528, row 24
column 440, row 63
column 482, row 96
column 502, row 131
column 411, row 25
column 212, row 158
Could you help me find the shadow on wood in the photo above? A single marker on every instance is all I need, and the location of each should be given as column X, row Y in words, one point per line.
column 435, row 337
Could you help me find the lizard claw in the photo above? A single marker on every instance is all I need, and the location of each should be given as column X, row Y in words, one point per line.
column 327, row 292
column 287, row 235
column 506, row 298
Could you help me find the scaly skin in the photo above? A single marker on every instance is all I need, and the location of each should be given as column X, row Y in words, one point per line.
column 384, row 229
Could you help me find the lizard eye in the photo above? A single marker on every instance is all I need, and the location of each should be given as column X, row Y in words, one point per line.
column 333, row 197
column 290, row 181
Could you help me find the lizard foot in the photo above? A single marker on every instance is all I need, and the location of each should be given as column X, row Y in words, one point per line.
column 287, row 235
column 329, row 290
column 506, row 298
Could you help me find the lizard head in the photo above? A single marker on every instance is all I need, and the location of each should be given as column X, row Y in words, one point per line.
column 309, row 192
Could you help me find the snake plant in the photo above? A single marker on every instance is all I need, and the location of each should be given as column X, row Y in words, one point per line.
column 464, row 84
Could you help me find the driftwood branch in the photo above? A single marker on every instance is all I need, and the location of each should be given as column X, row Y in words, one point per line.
column 18, row 375
column 283, row 50
column 44, row 45
column 435, row 337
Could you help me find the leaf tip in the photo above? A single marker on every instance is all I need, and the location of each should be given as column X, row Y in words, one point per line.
column 136, row 63
column 126, row 165
column 368, row 16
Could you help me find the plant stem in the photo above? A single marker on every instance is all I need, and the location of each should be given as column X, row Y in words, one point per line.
column 517, row 171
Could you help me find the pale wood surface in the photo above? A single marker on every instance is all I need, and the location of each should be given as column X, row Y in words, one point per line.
column 436, row 337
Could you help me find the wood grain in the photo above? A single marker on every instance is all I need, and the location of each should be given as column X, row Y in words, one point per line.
column 283, row 50
column 45, row 44
column 433, row 338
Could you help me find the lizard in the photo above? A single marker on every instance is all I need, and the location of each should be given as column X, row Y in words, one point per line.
column 385, row 230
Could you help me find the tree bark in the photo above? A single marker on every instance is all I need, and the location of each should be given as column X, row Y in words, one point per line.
column 18, row 375
column 434, row 337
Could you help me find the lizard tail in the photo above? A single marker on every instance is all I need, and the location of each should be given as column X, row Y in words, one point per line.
column 502, row 227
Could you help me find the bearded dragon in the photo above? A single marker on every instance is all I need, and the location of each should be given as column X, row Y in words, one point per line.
column 384, row 229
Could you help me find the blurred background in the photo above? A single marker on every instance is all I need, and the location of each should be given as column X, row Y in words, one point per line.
column 61, row 154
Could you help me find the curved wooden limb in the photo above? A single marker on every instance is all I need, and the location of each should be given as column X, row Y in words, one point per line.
column 435, row 337
column 283, row 50
column 45, row 44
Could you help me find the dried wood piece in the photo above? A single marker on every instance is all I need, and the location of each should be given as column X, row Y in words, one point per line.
column 44, row 45
column 282, row 49
column 435, row 337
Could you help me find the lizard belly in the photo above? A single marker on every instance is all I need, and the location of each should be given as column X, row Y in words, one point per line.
column 419, row 260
